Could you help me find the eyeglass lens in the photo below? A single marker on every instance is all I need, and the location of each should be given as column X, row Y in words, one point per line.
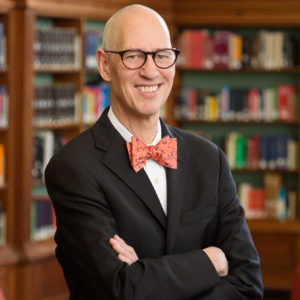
column 135, row 59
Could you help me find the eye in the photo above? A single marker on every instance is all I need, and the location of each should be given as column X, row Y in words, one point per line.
column 133, row 55
column 164, row 55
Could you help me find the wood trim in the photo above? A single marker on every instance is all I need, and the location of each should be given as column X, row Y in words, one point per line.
column 237, row 13
column 69, row 10
column 21, row 95
column 8, row 256
column 6, row 6
column 38, row 250
column 274, row 226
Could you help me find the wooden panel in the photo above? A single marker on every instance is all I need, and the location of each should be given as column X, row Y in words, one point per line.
column 100, row 10
column 7, row 282
column 42, row 280
column 278, row 254
column 237, row 13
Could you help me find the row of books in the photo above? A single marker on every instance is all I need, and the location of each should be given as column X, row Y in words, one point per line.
column 58, row 103
column 273, row 201
column 2, row 225
column 2, row 47
column 45, row 144
column 93, row 41
column 95, row 100
column 238, row 104
column 3, row 107
column 225, row 49
column 43, row 221
column 261, row 152
column 57, row 47
column 2, row 165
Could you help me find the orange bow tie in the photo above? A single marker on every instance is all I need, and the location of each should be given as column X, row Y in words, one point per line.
column 165, row 152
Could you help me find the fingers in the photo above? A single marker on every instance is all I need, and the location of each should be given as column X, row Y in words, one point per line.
column 218, row 259
column 125, row 252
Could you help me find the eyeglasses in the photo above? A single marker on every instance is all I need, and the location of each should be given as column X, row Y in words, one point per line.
column 135, row 58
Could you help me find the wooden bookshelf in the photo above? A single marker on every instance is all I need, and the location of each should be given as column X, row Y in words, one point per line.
column 278, row 242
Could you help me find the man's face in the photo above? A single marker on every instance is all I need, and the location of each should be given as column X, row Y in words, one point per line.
column 141, row 92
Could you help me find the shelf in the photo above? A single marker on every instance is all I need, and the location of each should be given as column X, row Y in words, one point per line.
column 236, row 122
column 295, row 69
column 92, row 72
column 8, row 255
column 41, row 198
column 274, row 226
column 35, row 251
column 57, row 125
column 56, row 70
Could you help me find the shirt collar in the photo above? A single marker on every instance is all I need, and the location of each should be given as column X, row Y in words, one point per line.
column 125, row 133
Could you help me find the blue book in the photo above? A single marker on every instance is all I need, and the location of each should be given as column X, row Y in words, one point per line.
column 281, row 160
column 272, row 151
column 91, row 45
column 263, row 157
column 105, row 91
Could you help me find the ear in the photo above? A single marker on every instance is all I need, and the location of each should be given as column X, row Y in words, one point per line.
column 102, row 61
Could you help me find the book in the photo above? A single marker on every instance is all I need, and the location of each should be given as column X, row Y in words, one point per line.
column 2, row 166
column 3, row 225
column 93, row 41
column 58, row 103
column 57, row 47
column 272, row 183
column 4, row 110
column 2, row 47
column 43, row 221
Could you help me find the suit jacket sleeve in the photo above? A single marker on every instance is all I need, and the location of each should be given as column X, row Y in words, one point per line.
column 244, row 278
column 85, row 223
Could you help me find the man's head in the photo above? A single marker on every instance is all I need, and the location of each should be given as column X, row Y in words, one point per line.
column 142, row 91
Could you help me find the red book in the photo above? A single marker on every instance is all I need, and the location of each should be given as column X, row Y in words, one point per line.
column 253, row 104
column 196, row 47
column 285, row 102
column 207, row 48
column 253, row 146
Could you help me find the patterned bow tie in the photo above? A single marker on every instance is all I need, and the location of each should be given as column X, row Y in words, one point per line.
column 165, row 152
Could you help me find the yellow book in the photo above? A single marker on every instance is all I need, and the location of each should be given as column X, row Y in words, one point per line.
column 214, row 108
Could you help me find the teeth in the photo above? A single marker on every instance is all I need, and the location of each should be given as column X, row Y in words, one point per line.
column 147, row 89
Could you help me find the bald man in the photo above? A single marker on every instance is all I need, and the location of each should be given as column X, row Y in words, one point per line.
column 145, row 210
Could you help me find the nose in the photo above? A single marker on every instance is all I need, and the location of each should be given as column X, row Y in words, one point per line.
column 149, row 69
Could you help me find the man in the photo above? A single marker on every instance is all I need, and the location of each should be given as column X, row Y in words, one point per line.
column 168, row 227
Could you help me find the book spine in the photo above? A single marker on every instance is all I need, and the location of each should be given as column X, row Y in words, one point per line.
column 2, row 165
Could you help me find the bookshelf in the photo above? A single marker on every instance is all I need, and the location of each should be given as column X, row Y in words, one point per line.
column 272, row 236
column 28, row 253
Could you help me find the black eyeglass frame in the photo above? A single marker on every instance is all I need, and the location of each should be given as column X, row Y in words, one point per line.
column 146, row 53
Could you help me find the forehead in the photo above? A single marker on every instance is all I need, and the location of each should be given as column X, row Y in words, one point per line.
column 143, row 32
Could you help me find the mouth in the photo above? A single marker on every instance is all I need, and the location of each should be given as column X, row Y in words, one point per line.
column 148, row 88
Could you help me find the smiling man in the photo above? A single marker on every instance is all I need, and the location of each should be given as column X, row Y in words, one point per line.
column 144, row 210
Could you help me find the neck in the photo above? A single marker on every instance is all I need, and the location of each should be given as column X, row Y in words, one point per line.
column 143, row 128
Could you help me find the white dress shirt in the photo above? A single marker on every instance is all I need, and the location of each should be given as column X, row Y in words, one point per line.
column 155, row 172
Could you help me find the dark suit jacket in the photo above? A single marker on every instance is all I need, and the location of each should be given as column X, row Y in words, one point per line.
column 96, row 194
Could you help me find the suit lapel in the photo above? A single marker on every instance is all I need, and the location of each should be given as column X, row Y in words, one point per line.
column 175, row 188
column 117, row 160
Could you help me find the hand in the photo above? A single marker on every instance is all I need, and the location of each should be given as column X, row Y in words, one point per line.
column 125, row 252
column 219, row 260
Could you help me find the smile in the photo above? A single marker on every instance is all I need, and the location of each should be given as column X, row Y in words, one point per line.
column 147, row 89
